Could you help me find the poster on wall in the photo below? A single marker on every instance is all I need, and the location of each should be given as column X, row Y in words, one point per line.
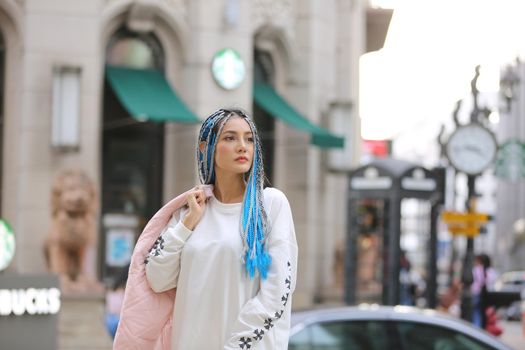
column 119, row 246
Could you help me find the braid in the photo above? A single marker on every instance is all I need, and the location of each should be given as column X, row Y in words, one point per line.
column 254, row 221
column 208, row 134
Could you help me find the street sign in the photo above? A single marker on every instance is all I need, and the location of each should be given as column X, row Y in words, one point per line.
column 469, row 231
column 454, row 216
column 30, row 306
column 467, row 224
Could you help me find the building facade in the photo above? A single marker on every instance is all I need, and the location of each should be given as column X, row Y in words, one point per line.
column 61, row 55
column 69, row 100
column 510, row 168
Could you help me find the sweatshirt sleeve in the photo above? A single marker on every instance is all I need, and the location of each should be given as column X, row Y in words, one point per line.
column 267, row 315
column 163, row 260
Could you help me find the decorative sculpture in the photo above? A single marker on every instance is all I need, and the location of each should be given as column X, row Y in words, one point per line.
column 73, row 230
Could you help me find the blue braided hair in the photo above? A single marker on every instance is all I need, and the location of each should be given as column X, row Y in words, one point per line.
column 254, row 221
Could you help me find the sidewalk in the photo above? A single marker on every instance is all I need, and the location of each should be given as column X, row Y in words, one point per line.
column 512, row 334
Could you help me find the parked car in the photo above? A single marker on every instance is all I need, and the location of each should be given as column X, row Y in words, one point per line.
column 511, row 281
column 373, row 327
column 509, row 287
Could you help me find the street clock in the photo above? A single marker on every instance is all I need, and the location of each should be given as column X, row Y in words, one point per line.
column 228, row 69
column 471, row 148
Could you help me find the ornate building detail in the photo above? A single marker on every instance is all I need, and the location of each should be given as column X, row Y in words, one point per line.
column 179, row 6
column 277, row 13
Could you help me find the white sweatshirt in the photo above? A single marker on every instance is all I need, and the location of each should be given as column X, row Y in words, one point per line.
column 218, row 306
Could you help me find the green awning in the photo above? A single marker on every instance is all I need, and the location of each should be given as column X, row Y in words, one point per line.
column 269, row 100
column 147, row 95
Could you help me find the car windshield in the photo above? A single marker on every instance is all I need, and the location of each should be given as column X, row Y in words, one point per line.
column 514, row 280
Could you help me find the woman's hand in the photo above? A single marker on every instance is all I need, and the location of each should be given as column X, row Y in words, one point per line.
column 196, row 203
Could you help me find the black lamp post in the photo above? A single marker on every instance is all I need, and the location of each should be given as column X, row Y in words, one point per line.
column 466, row 274
column 471, row 149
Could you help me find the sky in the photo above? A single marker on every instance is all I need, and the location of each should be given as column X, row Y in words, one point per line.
column 410, row 87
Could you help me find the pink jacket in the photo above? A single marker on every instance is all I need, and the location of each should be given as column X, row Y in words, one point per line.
column 146, row 316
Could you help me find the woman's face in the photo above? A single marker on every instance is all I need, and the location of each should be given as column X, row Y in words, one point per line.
column 234, row 149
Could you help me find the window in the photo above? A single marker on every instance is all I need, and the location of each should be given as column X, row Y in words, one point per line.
column 132, row 151
column 134, row 50
column 341, row 335
column 420, row 336
column 263, row 71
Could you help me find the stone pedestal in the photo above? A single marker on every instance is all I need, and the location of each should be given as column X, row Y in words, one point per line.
column 81, row 323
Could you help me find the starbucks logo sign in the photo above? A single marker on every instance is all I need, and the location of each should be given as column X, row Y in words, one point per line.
column 228, row 69
column 7, row 245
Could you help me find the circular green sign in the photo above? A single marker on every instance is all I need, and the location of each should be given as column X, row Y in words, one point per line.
column 228, row 69
column 7, row 245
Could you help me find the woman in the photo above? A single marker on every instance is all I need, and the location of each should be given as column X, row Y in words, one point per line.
column 231, row 257
column 483, row 276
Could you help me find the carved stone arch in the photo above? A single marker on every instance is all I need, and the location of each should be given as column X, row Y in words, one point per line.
column 159, row 18
column 11, row 18
column 274, row 41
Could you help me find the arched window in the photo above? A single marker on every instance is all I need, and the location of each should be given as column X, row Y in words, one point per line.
column 263, row 71
column 134, row 50
column 132, row 150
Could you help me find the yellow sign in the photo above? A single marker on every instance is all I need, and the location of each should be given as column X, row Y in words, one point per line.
column 469, row 231
column 454, row 216
column 467, row 224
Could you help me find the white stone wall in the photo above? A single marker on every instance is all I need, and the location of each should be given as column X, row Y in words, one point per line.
column 53, row 33
column 11, row 25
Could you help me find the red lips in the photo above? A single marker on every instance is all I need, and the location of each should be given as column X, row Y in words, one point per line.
column 241, row 159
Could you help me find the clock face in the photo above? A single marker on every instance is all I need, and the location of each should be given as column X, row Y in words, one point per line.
column 472, row 148
column 228, row 69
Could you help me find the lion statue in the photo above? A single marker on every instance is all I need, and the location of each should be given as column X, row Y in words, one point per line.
column 73, row 230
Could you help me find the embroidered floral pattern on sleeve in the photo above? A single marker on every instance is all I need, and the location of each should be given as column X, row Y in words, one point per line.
column 155, row 249
column 247, row 342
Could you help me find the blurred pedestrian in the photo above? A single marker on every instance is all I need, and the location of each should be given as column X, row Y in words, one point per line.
column 450, row 300
column 114, row 299
column 407, row 287
column 484, row 277
column 231, row 253
column 491, row 321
